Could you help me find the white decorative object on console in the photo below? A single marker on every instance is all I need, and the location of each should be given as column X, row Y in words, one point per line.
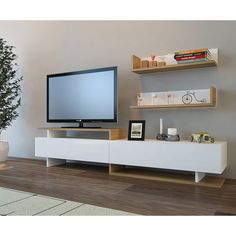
column 172, row 131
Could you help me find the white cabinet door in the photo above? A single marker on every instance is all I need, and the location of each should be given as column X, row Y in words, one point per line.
column 73, row 149
column 184, row 155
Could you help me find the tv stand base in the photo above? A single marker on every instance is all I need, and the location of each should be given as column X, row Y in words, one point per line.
column 199, row 176
column 55, row 162
column 165, row 176
column 195, row 178
column 178, row 162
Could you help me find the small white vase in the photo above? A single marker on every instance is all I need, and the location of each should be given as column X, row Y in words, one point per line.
column 4, row 149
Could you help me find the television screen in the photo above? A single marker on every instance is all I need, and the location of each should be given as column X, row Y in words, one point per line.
column 83, row 96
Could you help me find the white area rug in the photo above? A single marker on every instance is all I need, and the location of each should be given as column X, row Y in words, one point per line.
column 14, row 202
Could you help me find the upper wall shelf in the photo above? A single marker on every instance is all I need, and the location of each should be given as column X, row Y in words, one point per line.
column 136, row 61
column 174, row 67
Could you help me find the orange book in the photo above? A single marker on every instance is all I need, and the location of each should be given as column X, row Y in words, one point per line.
column 192, row 51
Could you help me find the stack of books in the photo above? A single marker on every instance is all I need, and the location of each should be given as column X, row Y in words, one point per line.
column 191, row 56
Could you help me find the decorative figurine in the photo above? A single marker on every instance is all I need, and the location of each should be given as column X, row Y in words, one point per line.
column 201, row 137
column 154, row 99
column 168, row 97
column 139, row 99
column 153, row 62
column 188, row 98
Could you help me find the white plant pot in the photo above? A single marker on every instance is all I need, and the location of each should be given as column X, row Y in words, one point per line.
column 4, row 149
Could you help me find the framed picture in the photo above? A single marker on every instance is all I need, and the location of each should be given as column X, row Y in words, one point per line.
column 136, row 130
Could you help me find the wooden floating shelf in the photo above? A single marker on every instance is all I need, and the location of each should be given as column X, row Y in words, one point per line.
column 163, row 176
column 174, row 67
column 205, row 105
column 212, row 103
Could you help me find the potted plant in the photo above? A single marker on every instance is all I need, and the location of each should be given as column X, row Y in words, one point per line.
column 9, row 92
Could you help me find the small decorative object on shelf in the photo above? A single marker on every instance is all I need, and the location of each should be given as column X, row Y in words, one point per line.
column 161, row 135
column 139, row 99
column 201, row 137
column 190, row 97
column 161, row 63
column 145, row 63
column 172, row 135
column 153, row 62
column 136, row 130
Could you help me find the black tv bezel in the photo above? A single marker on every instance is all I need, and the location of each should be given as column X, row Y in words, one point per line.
column 76, row 120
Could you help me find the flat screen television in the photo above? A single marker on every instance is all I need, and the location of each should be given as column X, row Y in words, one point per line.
column 82, row 96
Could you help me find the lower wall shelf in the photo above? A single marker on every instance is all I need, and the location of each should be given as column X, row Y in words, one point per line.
column 182, row 178
column 146, row 100
column 205, row 105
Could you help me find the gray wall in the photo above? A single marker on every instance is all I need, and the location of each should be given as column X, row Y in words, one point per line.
column 49, row 47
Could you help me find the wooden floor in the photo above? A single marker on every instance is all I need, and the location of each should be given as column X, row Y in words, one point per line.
column 92, row 185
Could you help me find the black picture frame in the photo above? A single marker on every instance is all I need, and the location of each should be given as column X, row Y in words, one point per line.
column 136, row 130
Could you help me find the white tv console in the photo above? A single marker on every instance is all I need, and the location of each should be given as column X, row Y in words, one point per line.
column 120, row 153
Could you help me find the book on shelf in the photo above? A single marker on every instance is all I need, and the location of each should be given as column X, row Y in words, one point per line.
column 192, row 58
column 192, row 51
column 205, row 53
column 192, row 61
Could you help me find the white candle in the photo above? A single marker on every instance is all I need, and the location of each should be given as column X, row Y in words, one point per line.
column 172, row 131
column 161, row 126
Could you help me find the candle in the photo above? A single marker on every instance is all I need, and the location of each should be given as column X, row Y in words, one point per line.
column 161, row 126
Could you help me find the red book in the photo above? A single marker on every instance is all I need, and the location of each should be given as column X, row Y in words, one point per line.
column 190, row 58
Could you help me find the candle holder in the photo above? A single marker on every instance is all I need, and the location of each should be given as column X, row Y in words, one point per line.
column 172, row 135
column 161, row 137
column 173, row 138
